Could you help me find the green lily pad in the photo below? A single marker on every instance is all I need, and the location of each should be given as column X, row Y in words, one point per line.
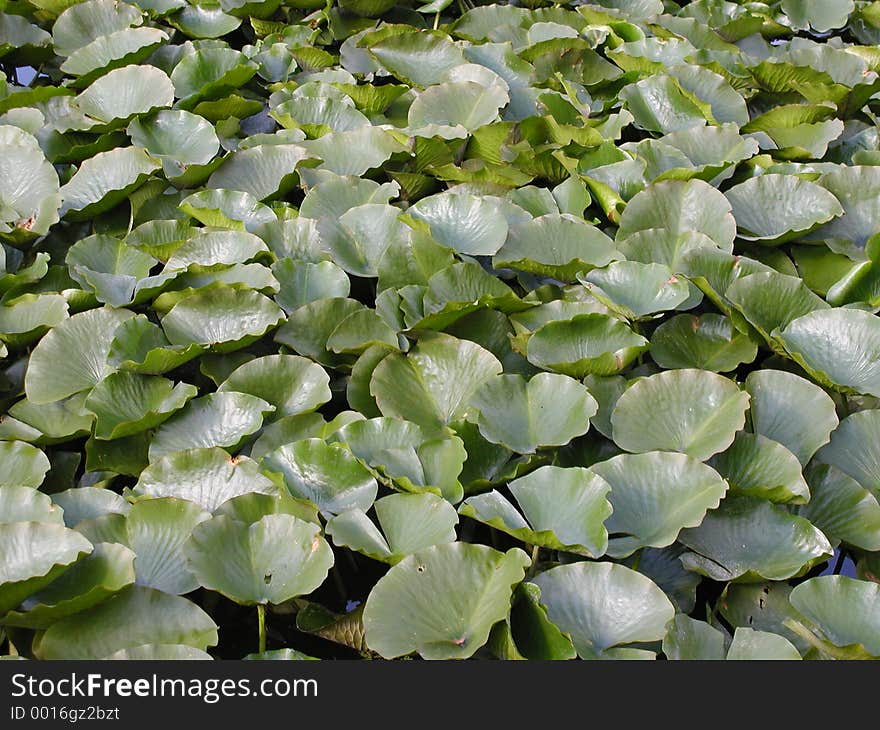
column 465, row 223
column 26, row 504
column 35, row 554
column 706, row 342
column 790, row 410
column 126, row 403
column 206, row 476
column 132, row 618
column 23, row 465
column 105, row 180
column 752, row 645
column 854, row 449
column 73, row 356
column 408, row 522
column 554, row 245
column 758, row 466
column 442, row 601
column 585, row 344
column 156, row 530
column 692, row 411
column 603, row 607
column 221, row 317
column 406, row 455
column 292, row 384
column 329, row 475
column 842, row 508
column 635, row 290
column 270, row 561
column 748, row 539
column 218, row 419
column 844, row 610
column 837, row 347
column 778, row 208
column 678, row 207
column 433, row 385
column 519, row 414
column 689, row 639
column 562, row 509
column 106, row 571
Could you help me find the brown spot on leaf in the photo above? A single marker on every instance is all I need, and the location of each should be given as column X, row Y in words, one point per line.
column 27, row 223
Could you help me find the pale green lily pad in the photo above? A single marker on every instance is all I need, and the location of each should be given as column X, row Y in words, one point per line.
column 748, row 539
column 842, row 508
column 433, row 385
column 413, row 458
column 206, row 476
column 216, row 419
column 292, row 384
column 585, row 344
column 442, row 602
column 126, row 403
column 465, row 223
column 140, row 346
column 635, row 290
column 23, row 465
column 791, row 410
column 845, row 611
column 86, row 503
column 106, row 571
column 408, row 522
column 840, row 348
column 329, row 475
column 555, row 245
column 692, row 411
column 104, row 180
column 778, row 208
column 34, row 554
column 26, row 504
column 270, row 561
column 221, row 318
column 73, row 356
column 758, row 466
column 751, row 645
column 688, row 639
column 562, row 509
column 604, row 607
column 654, row 496
column 678, row 207
column 266, row 171
column 132, row 618
column 707, row 342
column 855, row 449
column 519, row 414
column 156, row 530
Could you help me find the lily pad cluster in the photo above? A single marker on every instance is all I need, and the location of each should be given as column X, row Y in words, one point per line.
column 369, row 328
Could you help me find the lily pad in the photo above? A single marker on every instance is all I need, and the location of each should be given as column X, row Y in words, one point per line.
column 519, row 414
column 433, row 385
column 586, row 344
column 327, row 474
column 131, row 618
column 126, row 403
column 604, row 607
column 692, row 411
column 408, row 522
column 562, row 509
column 73, row 356
column 218, row 419
column 705, row 342
column 748, row 539
column 838, row 347
column 270, row 561
column 442, row 602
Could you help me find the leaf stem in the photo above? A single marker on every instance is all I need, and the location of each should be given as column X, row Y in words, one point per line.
column 636, row 560
column 838, row 565
column 533, row 568
column 261, row 622
column 437, row 20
